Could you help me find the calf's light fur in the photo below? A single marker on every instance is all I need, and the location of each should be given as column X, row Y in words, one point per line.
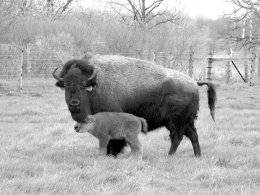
column 114, row 125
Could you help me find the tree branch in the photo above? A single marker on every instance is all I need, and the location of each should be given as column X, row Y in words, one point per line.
column 153, row 4
column 153, row 7
column 142, row 14
column 172, row 19
column 135, row 10
column 155, row 15
column 122, row 5
column 63, row 8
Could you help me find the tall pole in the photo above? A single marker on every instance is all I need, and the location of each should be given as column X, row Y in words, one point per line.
column 210, row 61
column 228, row 65
column 191, row 60
column 258, row 62
column 245, row 51
column 29, row 64
column 252, row 68
column 20, row 74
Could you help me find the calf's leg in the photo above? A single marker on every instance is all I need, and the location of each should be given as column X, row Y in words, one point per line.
column 135, row 145
column 103, row 142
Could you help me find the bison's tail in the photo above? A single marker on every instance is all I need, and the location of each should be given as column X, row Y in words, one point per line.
column 144, row 126
column 212, row 97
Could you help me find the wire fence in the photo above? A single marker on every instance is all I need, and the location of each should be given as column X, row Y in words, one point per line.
column 20, row 66
column 39, row 63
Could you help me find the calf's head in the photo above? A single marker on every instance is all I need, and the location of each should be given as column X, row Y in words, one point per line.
column 79, row 79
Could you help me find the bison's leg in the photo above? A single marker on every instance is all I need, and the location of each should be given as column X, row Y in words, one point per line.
column 176, row 136
column 191, row 133
column 175, row 142
column 115, row 147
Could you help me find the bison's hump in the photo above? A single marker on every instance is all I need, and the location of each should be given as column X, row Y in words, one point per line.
column 131, row 73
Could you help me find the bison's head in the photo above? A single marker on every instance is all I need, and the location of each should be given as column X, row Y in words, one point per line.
column 78, row 78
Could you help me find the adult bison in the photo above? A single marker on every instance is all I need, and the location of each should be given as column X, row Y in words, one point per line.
column 162, row 96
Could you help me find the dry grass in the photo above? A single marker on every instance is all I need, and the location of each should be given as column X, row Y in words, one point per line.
column 41, row 153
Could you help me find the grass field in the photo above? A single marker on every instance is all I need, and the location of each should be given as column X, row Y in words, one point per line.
column 41, row 154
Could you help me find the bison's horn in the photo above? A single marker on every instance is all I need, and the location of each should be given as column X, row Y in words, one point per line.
column 93, row 74
column 56, row 76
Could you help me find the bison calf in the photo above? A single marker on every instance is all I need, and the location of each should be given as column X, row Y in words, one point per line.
column 114, row 125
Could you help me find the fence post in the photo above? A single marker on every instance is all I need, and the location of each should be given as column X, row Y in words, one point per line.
column 136, row 54
column 191, row 60
column 164, row 59
column 158, row 58
column 20, row 74
column 210, row 60
column 258, row 62
column 153, row 56
column 145, row 55
column 29, row 65
column 252, row 68
column 245, row 63
column 228, row 71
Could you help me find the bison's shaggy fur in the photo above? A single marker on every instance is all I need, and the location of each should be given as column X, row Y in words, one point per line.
column 162, row 96
column 114, row 125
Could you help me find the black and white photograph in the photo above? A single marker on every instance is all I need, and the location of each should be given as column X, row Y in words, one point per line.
column 130, row 97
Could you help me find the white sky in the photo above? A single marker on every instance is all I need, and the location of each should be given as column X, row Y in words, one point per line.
column 207, row 8
column 194, row 8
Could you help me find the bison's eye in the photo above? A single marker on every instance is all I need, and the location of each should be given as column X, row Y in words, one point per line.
column 83, row 85
column 67, row 84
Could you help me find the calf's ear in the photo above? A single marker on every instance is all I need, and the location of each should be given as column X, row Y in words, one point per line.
column 60, row 84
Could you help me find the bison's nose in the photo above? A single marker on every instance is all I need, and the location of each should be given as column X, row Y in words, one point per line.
column 77, row 128
column 74, row 102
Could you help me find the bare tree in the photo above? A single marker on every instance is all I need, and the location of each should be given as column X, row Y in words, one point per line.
column 144, row 15
column 245, row 8
column 244, row 22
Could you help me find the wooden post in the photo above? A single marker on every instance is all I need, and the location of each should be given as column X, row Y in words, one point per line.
column 159, row 58
column 210, row 60
column 20, row 74
column 245, row 64
column 228, row 65
column 252, row 68
column 245, row 51
column 141, row 54
column 153, row 56
column 136, row 54
column 164, row 59
column 149, row 53
column 258, row 61
column 191, row 60
column 29, row 65
column 145, row 55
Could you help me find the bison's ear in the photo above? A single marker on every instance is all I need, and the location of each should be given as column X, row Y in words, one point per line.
column 60, row 84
